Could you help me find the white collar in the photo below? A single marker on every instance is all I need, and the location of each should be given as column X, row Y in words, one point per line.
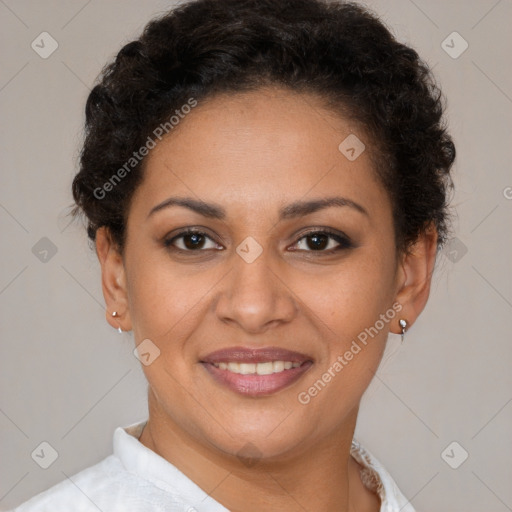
column 147, row 464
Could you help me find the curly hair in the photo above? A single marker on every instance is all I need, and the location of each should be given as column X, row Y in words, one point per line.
column 338, row 51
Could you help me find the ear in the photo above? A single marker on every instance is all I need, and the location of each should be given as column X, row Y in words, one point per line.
column 113, row 280
column 414, row 277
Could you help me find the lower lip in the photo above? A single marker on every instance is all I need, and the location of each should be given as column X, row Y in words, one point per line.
column 257, row 385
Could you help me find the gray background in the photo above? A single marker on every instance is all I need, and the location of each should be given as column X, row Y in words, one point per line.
column 69, row 379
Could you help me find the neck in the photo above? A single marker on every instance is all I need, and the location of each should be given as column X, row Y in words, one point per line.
column 323, row 477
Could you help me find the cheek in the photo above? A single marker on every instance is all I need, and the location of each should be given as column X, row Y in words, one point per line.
column 351, row 296
column 352, row 308
column 165, row 298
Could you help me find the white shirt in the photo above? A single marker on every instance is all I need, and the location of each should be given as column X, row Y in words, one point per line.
column 136, row 479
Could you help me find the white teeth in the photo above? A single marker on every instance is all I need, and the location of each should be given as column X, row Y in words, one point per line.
column 257, row 368
column 265, row 368
column 278, row 366
column 246, row 368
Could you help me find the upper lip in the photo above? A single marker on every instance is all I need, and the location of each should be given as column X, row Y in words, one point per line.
column 254, row 355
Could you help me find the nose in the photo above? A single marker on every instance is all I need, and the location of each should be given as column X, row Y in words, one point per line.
column 255, row 296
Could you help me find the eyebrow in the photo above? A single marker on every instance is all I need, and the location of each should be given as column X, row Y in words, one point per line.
column 293, row 210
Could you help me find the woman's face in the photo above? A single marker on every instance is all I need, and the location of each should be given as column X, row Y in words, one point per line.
column 263, row 275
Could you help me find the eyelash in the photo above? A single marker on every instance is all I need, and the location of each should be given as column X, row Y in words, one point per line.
column 343, row 240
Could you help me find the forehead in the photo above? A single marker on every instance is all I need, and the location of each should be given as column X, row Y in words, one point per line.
column 268, row 146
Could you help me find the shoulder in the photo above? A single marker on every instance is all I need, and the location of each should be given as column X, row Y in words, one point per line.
column 85, row 490
column 132, row 478
column 105, row 486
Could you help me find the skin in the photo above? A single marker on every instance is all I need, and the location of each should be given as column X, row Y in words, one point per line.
column 252, row 154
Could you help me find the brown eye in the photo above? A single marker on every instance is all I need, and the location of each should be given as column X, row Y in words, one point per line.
column 191, row 241
column 317, row 241
column 323, row 241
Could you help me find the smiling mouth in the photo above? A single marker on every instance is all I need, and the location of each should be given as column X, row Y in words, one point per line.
column 259, row 379
column 255, row 372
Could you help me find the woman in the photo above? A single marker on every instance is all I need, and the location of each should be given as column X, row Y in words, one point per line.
column 265, row 184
